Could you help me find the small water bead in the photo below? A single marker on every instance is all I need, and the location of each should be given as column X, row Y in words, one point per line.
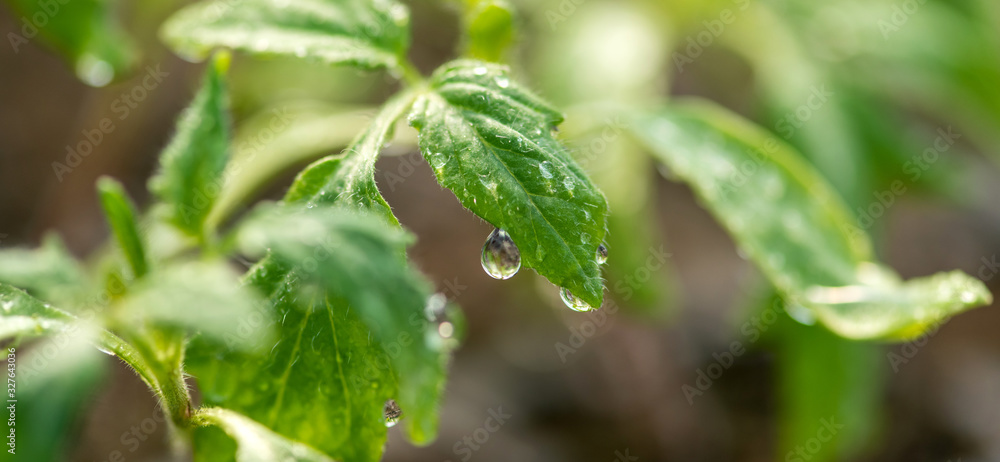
column 573, row 302
column 602, row 254
column 502, row 82
column 392, row 413
column 501, row 258
column 543, row 168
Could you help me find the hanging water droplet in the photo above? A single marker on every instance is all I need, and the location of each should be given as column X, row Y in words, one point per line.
column 501, row 258
column 602, row 254
column 573, row 302
column 392, row 413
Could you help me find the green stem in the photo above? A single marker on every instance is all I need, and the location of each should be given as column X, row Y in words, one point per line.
column 411, row 76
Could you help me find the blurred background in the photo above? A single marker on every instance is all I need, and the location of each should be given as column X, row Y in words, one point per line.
column 689, row 359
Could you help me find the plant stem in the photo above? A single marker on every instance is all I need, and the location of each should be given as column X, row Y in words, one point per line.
column 411, row 76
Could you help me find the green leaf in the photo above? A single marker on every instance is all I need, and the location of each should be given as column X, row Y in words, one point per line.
column 796, row 229
column 489, row 141
column 323, row 383
column 359, row 259
column 49, row 271
column 56, row 380
column 203, row 296
column 349, row 179
column 120, row 212
column 253, row 441
column 83, row 31
column 489, row 28
column 191, row 166
column 25, row 316
column 363, row 33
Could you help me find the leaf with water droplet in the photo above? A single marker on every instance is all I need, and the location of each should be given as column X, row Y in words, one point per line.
column 501, row 259
column 350, row 306
column 369, row 34
column 473, row 129
column 796, row 229
column 573, row 302
column 602, row 254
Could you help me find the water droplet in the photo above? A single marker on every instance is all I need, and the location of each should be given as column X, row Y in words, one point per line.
column 105, row 350
column 602, row 254
column 435, row 308
column 968, row 296
column 446, row 329
column 573, row 302
column 501, row 258
column 7, row 305
column 569, row 184
column 502, row 81
column 544, row 169
column 392, row 413
column 479, row 70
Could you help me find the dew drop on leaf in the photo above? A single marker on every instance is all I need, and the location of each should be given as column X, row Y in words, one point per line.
column 573, row 302
column 544, row 169
column 602, row 254
column 502, row 82
column 501, row 258
column 392, row 413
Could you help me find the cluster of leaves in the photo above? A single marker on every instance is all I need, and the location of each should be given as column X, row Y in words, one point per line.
column 332, row 321
column 298, row 357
